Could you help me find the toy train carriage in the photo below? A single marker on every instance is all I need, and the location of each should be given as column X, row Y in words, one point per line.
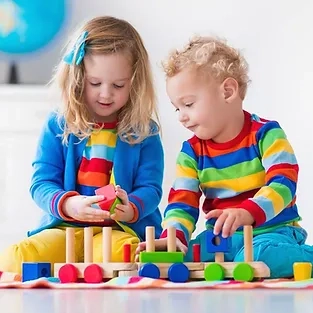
column 239, row 271
column 170, row 265
column 93, row 272
column 89, row 271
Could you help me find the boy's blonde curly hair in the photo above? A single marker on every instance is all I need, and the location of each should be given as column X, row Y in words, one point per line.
column 212, row 56
column 108, row 35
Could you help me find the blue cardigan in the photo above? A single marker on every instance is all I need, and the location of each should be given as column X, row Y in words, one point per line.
column 138, row 169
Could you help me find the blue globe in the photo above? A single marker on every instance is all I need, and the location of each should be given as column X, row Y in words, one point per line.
column 29, row 25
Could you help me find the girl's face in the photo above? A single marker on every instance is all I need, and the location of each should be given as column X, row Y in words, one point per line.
column 107, row 85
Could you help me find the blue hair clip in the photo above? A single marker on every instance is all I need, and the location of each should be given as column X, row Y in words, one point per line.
column 76, row 55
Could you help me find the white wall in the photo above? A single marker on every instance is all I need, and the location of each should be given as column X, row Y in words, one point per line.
column 275, row 36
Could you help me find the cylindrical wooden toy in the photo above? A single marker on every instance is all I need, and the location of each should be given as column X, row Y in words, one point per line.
column 88, row 245
column 127, row 253
column 248, row 247
column 219, row 257
column 302, row 270
column 150, row 239
column 107, row 244
column 171, row 239
column 196, row 252
column 70, row 245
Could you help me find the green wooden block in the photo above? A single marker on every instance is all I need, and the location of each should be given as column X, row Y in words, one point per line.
column 161, row 257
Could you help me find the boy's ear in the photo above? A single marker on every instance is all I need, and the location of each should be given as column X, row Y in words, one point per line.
column 230, row 89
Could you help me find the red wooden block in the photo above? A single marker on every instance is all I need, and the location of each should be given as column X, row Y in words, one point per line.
column 109, row 194
column 196, row 252
column 127, row 252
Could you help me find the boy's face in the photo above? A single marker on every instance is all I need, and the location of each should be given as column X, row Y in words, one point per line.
column 200, row 103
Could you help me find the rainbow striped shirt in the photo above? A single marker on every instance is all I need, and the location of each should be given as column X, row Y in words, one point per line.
column 257, row 171
column 97, row 162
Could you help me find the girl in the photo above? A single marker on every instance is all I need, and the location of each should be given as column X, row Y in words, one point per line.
column 103, row 134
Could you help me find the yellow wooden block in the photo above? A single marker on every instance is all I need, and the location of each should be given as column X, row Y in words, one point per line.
column 302, row 270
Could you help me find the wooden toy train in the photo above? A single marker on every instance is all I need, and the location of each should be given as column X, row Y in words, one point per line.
column 154, row 264
column 157, row 264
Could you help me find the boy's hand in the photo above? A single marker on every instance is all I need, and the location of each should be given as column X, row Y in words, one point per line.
column 160, row 245
column 229, row 220
column 79, row 208
column 123, row 212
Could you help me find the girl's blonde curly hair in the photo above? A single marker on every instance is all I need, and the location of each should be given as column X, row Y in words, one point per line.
column 136, row 119
column 212, row 56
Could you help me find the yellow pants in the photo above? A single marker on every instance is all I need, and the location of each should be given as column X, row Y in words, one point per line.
column 49, row 246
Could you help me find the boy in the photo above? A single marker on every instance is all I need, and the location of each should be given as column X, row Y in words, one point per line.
column 242, row 164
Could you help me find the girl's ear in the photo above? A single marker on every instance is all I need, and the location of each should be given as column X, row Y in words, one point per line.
column 230, row 89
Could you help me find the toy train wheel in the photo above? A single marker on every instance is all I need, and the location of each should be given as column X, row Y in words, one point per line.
column 68, row 273
column 178, row 273
column 243, row 272
column 93, row 274
column 214, row 272
column 149, row 270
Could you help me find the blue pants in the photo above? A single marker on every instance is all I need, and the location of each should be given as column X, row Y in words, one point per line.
column 278, row 249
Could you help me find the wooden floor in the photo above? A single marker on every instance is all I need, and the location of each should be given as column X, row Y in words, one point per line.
column 155, row 301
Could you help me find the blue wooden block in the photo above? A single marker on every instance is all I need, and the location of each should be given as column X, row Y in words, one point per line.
column 31, row 271
column 217, row 243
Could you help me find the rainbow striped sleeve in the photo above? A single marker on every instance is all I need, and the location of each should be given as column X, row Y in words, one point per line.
column 281, row 174
column 182, row 211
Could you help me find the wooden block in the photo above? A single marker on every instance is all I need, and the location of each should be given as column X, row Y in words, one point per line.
column 196, row 257
column 127, row 253
column 161, row 257
column 217, row 243
column 110, row 270
column 302, row 270
column 110, row 200
column 33, row 270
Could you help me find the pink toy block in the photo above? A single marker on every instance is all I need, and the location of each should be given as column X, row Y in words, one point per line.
column 108, row 192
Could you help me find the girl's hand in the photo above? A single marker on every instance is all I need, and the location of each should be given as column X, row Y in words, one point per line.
column 123, row 212
column 79, row 208
column 229, row 220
